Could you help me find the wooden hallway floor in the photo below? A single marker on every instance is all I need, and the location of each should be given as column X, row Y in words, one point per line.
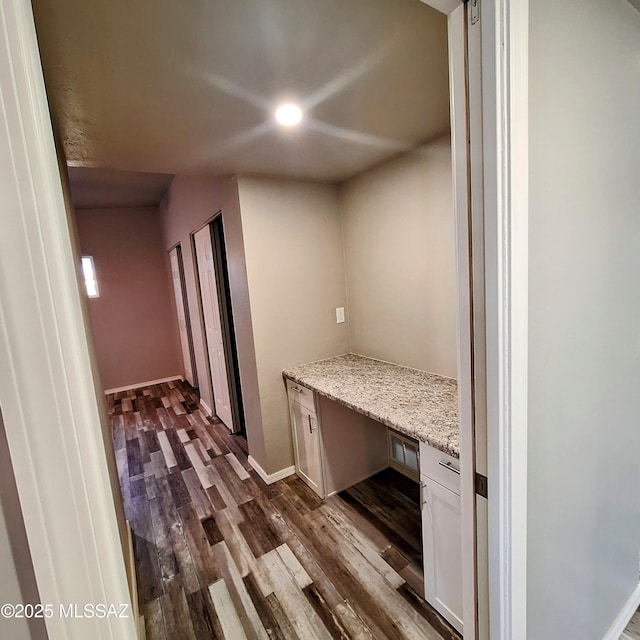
column 220, row 554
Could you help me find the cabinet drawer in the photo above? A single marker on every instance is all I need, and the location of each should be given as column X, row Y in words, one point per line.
column 298, row 393
column 441, row 467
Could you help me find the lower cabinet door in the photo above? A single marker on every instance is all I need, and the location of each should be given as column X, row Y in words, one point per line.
column 442, row 549
column 306, row 442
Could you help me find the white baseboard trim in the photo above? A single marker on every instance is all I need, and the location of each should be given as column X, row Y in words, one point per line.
column 206, row 407
column 273, row 477
column 622, row 620
column 148, row 383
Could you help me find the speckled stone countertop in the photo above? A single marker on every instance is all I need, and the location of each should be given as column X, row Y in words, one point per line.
column 420, row 404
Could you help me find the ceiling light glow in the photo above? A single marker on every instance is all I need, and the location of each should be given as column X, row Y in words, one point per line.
column 288, row 115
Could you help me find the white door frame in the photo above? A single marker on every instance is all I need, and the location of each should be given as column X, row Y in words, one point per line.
column 219, row 394
column 505, row 83
column 465, row 202
column 503, row 211
column 47, row 391
column 182, row 309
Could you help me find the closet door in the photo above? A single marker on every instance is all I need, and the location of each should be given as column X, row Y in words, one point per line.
column 183, row 321
column 213, row 326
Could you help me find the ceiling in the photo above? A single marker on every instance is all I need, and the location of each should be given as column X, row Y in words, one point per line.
column 172, row 87
column 106, row 188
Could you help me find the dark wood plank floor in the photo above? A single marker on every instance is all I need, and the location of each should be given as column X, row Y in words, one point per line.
column 219, row 554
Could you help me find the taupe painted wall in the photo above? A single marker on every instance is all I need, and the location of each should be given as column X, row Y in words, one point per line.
column 295, row 268
column 133, row 321
column 584, row 305
column 188, row 205
column 399, row 245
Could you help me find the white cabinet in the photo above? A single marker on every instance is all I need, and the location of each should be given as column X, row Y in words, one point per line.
column 306, row 436
column 442, row 533
column 334, row 446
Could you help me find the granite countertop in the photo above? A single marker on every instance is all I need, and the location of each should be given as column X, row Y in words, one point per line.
column 420, row 404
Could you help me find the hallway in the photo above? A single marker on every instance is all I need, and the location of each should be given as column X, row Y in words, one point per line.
column 219, row 554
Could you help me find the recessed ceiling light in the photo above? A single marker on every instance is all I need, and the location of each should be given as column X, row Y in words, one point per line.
column 288, row 115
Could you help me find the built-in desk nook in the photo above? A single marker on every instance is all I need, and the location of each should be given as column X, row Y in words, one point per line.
column 352, row 416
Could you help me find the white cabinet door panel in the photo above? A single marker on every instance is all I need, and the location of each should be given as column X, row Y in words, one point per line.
column 442, row 549
column 306, row 443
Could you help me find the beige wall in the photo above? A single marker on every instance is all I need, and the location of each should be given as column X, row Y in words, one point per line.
column 295, row 268
column 286, row 260
column 187, row 206
column 133, row 322
column 399, row 242
column 584, row 303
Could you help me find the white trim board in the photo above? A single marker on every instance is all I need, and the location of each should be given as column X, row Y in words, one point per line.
column 52, row 416
column 273, row 477
column 139, row 385
column 206, row 407
column 625, row 615
column 460, row 104
column 505, row 80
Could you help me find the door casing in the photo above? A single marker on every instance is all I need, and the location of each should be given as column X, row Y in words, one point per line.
column 212, row 323
column 225, row 311
column 182, row 309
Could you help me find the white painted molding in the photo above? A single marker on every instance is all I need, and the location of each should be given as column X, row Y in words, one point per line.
column 457, row 41
column 206, row 407
column 446, row 6
column 505, row 74
column 273, row 477
column 48, row 395
column 139, row 385
column 623, row 618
